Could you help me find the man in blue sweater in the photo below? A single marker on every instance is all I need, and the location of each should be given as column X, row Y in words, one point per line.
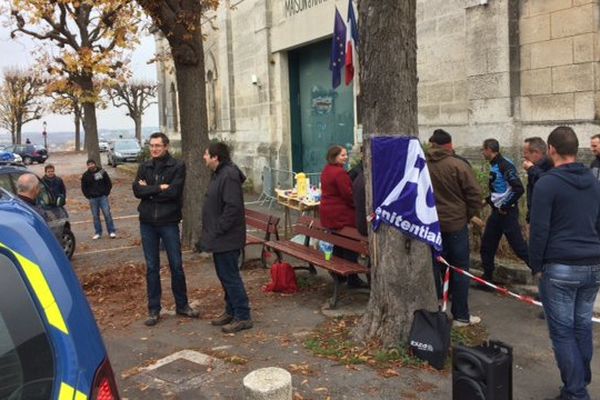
column 564, row 245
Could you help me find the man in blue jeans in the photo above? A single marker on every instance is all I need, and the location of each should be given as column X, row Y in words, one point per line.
column 564, row 246
column 224, row 234
column 458, row 199
column 159, row 186
column 96, row 187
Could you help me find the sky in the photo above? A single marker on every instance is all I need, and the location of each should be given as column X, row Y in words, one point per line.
column 17, row 52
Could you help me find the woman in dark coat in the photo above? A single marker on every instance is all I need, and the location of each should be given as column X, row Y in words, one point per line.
column 337, row 206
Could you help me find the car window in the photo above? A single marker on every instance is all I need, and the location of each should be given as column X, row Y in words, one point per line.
column 5, row 183
column 129, row 145
column 44, row 198
column 26, row 359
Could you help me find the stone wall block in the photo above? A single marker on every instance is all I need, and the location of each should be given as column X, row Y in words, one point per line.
column 454, row 113
column 573, row 78
column 583, row 48
column 488, row 86
column 547, row 107
column 551, row 53
column 585, row 105
column 547, row 6
column 429, row 114
column 573, row 21
column 534, row 29
column 489, row 110
column 537, row 81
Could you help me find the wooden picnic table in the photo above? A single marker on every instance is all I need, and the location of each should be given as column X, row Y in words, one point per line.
column 290, row 201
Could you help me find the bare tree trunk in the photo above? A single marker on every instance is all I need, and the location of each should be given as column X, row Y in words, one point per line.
column 194, row 132
column 77, row 130
column 19, row 135
column 91, row 132
column 402, row 278
column 138, row 128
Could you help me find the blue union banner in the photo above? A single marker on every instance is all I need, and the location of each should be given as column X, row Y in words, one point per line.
column 402, row 192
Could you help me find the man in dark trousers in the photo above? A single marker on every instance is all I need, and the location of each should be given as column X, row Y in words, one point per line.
column 458, row 199
column 159, row 185
column 564, row 246
column 54, row 183
column 536, row 163
column 96, row 186
column 224, row 234
column 505, row 190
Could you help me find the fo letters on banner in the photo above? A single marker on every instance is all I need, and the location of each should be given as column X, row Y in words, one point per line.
column 402, row 192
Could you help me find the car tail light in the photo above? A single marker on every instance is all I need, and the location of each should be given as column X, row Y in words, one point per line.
column 105, row 387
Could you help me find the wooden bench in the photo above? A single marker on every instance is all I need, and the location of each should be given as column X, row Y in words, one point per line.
column 347, row 238
column 265, row 225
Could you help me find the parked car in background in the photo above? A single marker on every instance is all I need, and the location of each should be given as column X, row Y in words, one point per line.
column 29, row 152
column 58, row 218
column 123, row 150
column 50, row 344
column 103, row 145
column 8, row 158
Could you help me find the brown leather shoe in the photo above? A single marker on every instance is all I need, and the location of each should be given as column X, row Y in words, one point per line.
column 222, row 319
column 237, row 325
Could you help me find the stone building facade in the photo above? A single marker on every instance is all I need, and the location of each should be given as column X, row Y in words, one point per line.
column 507, row 69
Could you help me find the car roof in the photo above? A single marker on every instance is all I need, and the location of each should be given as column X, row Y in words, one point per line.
column 8, row 168
column 65, row 311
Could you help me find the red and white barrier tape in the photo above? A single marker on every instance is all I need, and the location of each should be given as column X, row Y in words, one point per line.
column 504, row 291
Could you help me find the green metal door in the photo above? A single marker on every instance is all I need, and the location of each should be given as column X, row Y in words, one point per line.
column 321, row 116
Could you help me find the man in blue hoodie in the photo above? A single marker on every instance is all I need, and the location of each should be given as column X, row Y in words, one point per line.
column 564, row 245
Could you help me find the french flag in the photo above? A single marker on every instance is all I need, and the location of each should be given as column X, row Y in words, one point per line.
column 351, row 43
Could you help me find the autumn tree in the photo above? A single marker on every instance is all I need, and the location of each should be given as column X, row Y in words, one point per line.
column 180, row 23
column 136, row 96
column 66, row 102
column 402, row 278
column 21, row 100
column 91, row 39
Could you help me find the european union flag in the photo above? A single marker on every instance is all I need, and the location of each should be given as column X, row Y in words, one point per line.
column 337, row 60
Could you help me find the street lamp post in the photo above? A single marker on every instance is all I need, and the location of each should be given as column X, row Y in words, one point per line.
column 45, row 134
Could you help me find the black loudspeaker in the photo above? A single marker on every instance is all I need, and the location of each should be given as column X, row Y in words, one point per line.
column 482, row 372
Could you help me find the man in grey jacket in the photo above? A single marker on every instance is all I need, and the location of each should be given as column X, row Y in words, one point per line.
column 224, row 234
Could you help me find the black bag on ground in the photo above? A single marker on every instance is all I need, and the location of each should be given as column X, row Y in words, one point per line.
column 429, row 337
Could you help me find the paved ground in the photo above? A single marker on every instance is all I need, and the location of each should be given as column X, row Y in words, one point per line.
column 113, row 276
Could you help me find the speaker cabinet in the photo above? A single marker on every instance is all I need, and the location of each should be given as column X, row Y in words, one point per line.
column 482, row 372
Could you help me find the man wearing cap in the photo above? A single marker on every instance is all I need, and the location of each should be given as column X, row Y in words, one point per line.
column 458, row 199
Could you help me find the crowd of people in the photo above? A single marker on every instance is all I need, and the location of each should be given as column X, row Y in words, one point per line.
column 563, row 221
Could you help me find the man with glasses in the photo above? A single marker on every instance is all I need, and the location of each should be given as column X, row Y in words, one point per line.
column 159, row 186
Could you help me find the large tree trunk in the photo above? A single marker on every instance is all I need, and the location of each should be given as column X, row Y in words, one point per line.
column 77, row 117
column 19, row 127
column 189, row 70
column 138, row 128
column 91, row 132
column 402, row 278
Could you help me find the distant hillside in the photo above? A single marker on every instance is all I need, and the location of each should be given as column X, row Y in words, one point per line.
column 66, row 140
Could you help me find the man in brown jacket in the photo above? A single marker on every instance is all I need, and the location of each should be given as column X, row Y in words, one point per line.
column 458, row 199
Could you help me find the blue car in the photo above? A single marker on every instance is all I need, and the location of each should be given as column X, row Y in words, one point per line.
column 50, row 345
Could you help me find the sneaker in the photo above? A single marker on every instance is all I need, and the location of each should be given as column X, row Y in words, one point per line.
column 473, row 320
column 188, row 311
column 237, row 325
column 153, row 318
column 96, row 236
column 112, row 235
column 222, row 319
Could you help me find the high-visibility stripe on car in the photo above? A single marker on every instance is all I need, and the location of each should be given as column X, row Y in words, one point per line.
column 68, row 392
column 40, row 286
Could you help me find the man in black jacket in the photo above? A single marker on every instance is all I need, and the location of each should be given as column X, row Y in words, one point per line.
column 564, row 245
column 536, row 163
column 159, row 186
column 224, row 234
column 505, row 190
column 96, row 186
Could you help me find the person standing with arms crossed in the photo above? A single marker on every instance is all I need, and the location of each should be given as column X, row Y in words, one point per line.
column 159, row 186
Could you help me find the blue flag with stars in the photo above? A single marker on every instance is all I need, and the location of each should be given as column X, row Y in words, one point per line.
column 337, row 60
